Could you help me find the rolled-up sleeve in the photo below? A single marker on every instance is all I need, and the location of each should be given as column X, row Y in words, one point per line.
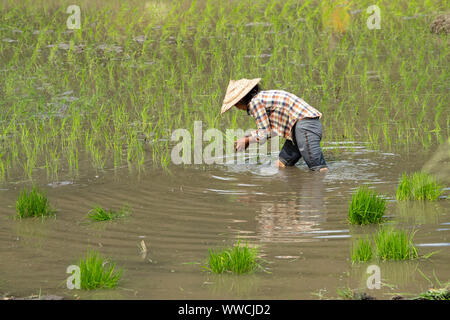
column 258, row 112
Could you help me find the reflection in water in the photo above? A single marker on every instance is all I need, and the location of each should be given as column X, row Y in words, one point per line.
column 291, row 206
column 104, row 294
column 220, row 284
column 395, row 275
column 286, row 213
column 434, row 244
column 419, row 212
column 33, row 232
column 298, row 211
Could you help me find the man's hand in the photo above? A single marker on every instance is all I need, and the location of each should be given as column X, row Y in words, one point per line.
column 241, row 144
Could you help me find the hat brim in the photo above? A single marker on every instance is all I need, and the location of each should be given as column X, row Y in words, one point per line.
column 252, row 83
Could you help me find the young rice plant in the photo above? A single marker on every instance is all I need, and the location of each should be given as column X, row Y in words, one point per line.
column 238, row 260
column 33, row 203
column 366, row 207
column 100, row 214
column 362, row 250
column 97, row 273
column 418, row 186
column 394, row 244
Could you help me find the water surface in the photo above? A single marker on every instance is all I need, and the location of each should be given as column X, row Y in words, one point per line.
column 296, row 217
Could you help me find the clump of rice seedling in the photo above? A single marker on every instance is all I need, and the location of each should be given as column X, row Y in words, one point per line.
column 394, row 245
column 418, row 186
column 435, row 294
column 238, row 259
column 438, row 291
column 33, row 203
column 345, row 293
column 97, row 273
column 362, row 250
column 100, row 214
column 366, row 207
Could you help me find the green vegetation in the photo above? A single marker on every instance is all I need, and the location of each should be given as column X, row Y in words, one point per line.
column 113, row 91
column 418, row 186
column 362, row 250
column 394, row 244
column 100, row 214
column 33, row 203
column 435, row 294
column 388, row 244
column 438, row 291
column 97, row 273
column 345, row 293
column 238, row 260
column 366, row 207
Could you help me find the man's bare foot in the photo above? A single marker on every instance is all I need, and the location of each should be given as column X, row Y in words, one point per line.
column 280, row 164
column 323, row 170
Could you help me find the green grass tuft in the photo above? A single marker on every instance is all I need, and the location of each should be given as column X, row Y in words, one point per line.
column 97, row 273
column 362, row 250
column 33, row 203
column 238, row 260
column 345, row 293
column 394, row 245
column 418, row 186
column 366, row 207
column 100, row 214
column 435, row 294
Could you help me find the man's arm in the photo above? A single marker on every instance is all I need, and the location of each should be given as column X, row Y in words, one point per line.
column 243, row 143
column 258, row 111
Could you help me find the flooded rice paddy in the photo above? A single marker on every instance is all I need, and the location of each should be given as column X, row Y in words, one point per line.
column 87, row 115
column 297, row 218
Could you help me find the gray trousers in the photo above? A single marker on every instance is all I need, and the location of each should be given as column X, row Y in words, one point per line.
column 306, row 134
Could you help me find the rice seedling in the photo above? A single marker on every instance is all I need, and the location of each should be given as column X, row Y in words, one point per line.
column 435, row 294
column 33, row 203
column 345, row 293
column 366, row 207
column 96, row 272
column 237, row 260
column 93, row 103
column 100, row 214
column 362, row 250
column 418, row 186
column 394, row 244
column 438, row 290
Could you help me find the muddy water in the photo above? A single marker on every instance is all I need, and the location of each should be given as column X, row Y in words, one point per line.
column 297, row 218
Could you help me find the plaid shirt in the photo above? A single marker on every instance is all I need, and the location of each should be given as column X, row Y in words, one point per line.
column 276, row 112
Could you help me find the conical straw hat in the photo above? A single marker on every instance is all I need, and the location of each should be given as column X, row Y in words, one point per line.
column 237, row 89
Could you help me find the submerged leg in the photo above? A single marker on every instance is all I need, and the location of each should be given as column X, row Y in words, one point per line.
column 280, row 164
column 289, row 155
column 308, row 134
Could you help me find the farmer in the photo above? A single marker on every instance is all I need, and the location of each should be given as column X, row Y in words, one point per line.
column 278, row 112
